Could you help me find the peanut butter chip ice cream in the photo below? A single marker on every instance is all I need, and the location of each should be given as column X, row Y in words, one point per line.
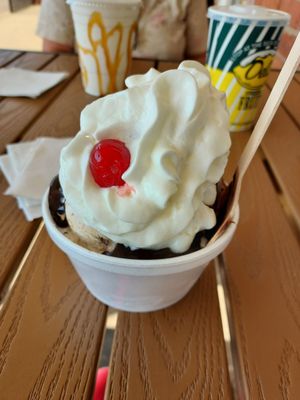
column 172, row 132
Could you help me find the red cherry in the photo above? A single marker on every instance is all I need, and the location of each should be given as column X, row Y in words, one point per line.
column 109, row 159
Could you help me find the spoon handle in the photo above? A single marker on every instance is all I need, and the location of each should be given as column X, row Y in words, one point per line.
column 267, row 114
column 271, row 106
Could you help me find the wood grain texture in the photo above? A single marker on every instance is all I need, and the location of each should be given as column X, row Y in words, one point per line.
column 176, row 353
column 6, row 56
column 264, row 281
column 50, row 330
column 15, row 232
column 291, row 100
column 12, row 221
column 18, row 113
column 282, row 149
column 32, row 61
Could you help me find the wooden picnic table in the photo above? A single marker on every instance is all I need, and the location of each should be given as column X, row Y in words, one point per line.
column 235, row 335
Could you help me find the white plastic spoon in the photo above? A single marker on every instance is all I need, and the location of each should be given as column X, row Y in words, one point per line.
column 231, row 191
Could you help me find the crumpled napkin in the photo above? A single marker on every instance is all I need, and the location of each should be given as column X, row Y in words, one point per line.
column 29, row 168
column 23, row 82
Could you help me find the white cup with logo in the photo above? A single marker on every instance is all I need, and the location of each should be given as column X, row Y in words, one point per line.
column 105, row 32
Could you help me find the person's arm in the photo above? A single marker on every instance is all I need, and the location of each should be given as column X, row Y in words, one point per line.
column 55, row 26
column 55, row 47
column 196, row 30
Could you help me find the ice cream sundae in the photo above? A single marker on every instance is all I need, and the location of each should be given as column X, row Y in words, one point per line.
column 142, row 171
column 137, row 188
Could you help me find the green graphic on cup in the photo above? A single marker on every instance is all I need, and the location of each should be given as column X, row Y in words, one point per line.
column 242, row 42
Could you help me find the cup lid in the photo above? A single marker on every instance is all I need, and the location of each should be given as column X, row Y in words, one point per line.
column 248, row 13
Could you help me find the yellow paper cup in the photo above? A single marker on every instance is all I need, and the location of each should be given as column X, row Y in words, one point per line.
column 105, row 32
column 242, row 42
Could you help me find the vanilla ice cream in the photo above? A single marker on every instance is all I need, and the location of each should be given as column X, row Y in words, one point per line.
column 176, row 128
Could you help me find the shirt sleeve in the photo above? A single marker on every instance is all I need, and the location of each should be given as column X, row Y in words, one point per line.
column 55, row 22
column 196, row 27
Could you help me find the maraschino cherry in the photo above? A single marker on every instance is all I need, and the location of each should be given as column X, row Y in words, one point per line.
column 109, row 159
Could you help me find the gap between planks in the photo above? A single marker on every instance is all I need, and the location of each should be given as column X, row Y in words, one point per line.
column 15, row 273
column 235, row 367
column 14, row 58
column 234, row 360
column 282, row 198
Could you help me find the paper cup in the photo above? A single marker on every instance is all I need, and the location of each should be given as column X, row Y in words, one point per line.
column 242, row 42
column 136, row 285
column 105, row 32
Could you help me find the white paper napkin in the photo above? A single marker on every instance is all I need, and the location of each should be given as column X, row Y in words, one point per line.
column 23, row 82
column 29, row 168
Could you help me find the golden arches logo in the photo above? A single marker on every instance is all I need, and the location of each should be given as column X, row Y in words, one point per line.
column 112, row 65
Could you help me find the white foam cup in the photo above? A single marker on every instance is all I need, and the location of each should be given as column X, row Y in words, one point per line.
column 105, row 33
column 136, row 285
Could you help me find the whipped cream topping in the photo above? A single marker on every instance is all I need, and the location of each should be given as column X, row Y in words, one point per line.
column 175, row 125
